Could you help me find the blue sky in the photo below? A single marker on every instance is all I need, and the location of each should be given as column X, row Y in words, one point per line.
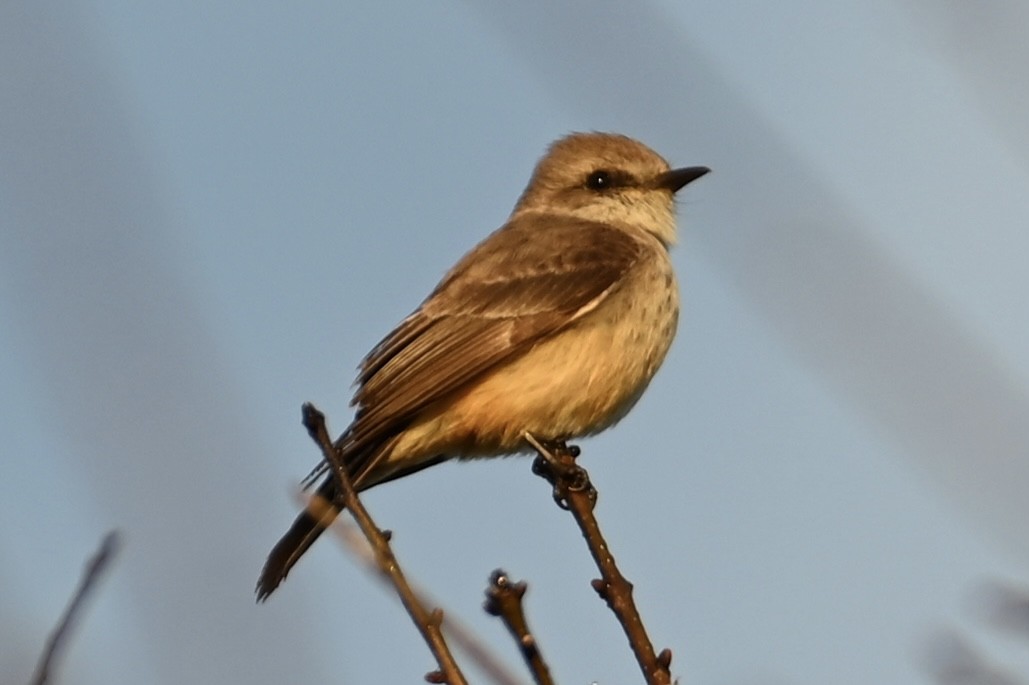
column 209, row 212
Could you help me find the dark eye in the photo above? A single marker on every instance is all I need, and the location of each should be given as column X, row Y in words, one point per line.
column 599, row 180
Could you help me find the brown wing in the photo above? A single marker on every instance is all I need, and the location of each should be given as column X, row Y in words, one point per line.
column 528, row 280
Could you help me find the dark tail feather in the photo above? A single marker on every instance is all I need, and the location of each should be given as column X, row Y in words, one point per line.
column 310, row 524
column 301, row 535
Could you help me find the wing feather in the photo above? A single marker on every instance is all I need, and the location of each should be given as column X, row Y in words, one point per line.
column 515, row 289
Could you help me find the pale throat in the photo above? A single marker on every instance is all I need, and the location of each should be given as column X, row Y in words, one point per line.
column 652, row 212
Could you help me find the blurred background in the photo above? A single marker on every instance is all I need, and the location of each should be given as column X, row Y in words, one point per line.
column 209, row 212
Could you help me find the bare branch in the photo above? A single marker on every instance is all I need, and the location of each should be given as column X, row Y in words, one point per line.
column 456, row 632
column 504, row 600
column 574, row 492
column 94, row 570
column 427, row 622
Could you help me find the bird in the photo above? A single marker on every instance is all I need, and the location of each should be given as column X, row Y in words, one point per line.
column 553, row 325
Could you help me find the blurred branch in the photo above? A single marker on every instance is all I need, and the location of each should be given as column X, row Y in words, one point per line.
column 428, row 623
column 953, row 660
column 456, row 632
column 1006, row 606
column 504, row 600
column 574, row 492
column 94, row 570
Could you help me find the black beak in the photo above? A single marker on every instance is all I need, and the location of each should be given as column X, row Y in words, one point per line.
column 675, row 179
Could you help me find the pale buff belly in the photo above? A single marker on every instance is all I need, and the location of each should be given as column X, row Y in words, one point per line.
column 579, row 382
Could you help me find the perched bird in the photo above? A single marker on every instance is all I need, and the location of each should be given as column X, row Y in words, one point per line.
column 553, row 325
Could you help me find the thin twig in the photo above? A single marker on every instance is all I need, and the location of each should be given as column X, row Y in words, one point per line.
column 574, row 491
column 94, row 570
column 456, row 632
column 504, row 600
column 427, row 622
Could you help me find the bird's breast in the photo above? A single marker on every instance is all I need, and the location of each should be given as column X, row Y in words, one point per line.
column 580, row 380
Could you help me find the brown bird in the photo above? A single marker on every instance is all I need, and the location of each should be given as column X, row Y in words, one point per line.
column 553, row 325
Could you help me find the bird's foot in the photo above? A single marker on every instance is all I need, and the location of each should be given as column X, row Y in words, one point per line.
column 555, row 461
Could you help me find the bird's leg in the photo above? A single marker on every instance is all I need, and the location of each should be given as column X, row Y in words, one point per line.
column 555, row 461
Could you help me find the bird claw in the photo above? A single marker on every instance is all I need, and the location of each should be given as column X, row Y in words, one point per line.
column 555, row 461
